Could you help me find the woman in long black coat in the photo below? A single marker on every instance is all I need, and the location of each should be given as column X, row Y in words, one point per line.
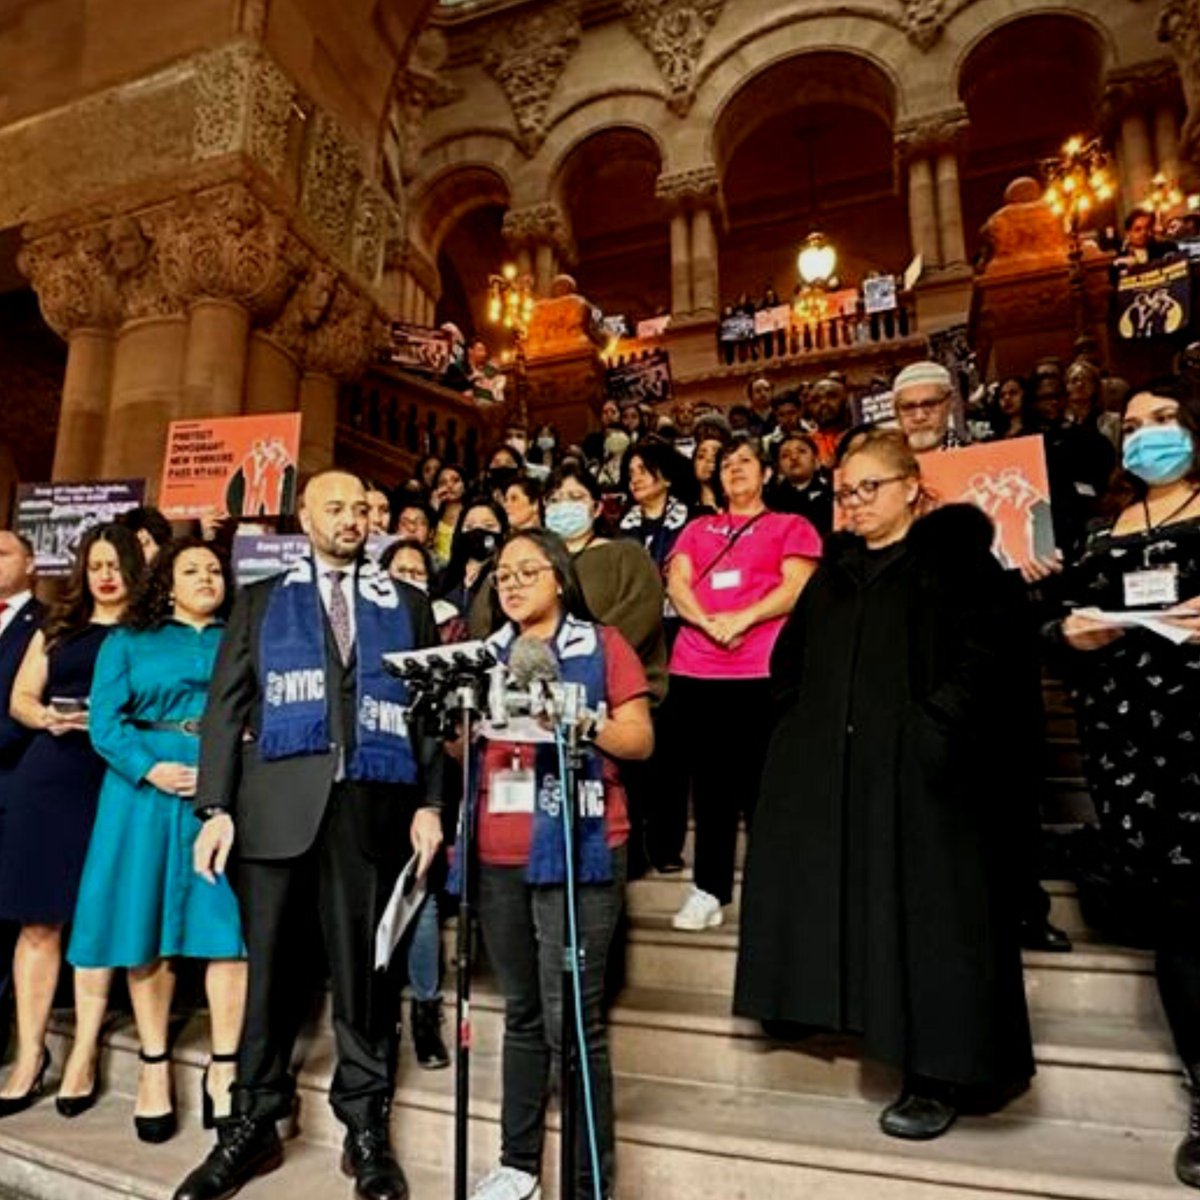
column 880, row 883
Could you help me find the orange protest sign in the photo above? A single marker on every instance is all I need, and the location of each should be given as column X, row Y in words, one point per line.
column 231, row 466
column 1009, row 481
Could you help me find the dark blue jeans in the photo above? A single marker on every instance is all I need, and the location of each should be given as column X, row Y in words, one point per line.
column 523, row 932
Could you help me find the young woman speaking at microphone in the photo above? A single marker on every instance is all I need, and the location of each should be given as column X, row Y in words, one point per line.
column 522, row 862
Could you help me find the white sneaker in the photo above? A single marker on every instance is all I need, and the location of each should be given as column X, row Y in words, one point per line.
column 507, row 1183
column 700, row 911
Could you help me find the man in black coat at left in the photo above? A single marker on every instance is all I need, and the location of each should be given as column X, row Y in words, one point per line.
column 310, row 775
column 20, row 615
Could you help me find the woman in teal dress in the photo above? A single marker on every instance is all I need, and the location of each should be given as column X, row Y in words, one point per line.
column 140, row 902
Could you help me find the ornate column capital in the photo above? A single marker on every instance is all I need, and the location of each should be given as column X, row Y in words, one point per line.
column 697, row 188
column 931, row 135
column 527, row 55
column 328, row 325
column 539, row 225
column 73, row 278
column 674, row 31
column 1140, row 89
column 925, row 21
column 226, row 244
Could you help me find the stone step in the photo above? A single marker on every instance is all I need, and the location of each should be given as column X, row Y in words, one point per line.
column 676, row 1141
column 1092, row 980
column 98, row 1157
column 1096, row 1069
column 658, row 895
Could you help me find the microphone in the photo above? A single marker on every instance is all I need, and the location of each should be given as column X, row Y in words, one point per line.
column 532, row 662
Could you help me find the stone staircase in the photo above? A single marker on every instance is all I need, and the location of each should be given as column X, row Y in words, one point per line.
column 707, row 1106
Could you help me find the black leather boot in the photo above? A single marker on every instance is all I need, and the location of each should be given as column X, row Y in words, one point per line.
column 427, row 1035
column 245, row 1148
column 367, row 1157
column 1187, row 1157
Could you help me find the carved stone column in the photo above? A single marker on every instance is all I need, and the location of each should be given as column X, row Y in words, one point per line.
column 1134, row 98
column 230, row 261
column 930, row 150
column 950, row 218
column 693, row 200
column 419, row 283
column 77, row 292
column 1137, row 158
column 540, row 237
column 272, row 376
column 1166, row 140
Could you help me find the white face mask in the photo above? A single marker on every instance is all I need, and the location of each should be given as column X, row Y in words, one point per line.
column 569, row 518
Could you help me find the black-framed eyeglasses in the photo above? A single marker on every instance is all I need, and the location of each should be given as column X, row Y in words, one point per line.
column 864, row 492
column 525, row 575
column 921, row 406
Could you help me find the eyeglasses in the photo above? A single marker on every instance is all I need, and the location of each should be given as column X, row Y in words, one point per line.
column 865, row 492
column 525, row 575
column 921, row 406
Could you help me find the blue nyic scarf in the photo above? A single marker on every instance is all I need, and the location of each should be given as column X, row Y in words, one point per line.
column 292, row 668
column 580, row 654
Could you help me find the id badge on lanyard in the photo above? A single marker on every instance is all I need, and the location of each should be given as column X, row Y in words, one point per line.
column 1152, row 587
column 512, row 791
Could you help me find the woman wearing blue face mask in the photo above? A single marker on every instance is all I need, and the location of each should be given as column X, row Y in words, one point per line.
column 1138, row 695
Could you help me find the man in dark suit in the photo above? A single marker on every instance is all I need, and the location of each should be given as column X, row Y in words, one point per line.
column 20, row 615
column 308, row 767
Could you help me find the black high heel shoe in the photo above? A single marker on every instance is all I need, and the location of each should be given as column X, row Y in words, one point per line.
column 76, row 1106
column 11, row 1105
column 209, row 1117
column 160, row 1128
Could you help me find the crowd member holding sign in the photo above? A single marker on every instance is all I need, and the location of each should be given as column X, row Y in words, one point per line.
column 1138, row 696
column 140, row 903
column 520, row 848
column 876, row 900
column 50, row 804
column 732, row 578
column 308, row 767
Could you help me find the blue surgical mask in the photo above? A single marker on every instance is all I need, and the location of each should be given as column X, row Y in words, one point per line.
column 569, row 518
column 1159, row 454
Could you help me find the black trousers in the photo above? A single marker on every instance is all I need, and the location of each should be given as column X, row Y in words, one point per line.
column 1177, row 968
column 729, row 724
column 523, row 932
column 337, row 889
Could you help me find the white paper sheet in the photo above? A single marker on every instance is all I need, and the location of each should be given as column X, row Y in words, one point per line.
column 407, row 896
column 1153, row 621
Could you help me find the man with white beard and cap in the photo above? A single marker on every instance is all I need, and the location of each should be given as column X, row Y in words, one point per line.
column 923, row 394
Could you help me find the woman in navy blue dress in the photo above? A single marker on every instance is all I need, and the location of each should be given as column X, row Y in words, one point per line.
column 141, row 903
column 52, row 798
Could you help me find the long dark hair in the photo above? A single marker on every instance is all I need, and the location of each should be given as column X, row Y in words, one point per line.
column 563, row 565
column 73, row 612
column 1126, row 488
column 152, row 605
column 456, row 568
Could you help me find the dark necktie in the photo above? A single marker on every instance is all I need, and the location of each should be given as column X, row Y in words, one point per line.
column 339, row 615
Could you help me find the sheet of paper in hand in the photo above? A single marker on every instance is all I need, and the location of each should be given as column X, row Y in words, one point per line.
column 407, row 897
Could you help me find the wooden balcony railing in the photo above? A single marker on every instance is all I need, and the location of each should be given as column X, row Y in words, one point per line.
column 388, row 420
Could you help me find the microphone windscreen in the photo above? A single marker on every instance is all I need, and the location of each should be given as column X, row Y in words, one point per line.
column 532, row 661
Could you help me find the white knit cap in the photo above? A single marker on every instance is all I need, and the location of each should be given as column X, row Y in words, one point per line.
column 920, row 374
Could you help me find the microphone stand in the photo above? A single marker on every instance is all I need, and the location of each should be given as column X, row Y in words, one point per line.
column 463, row 964
column 570, row 1078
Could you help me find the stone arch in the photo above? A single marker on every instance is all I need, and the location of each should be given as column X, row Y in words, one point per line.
column 639, row 110
column 447, row 197
column 622, row 249
column 873, row 39
column 1027, row 84
column 492, row 149
column 974, row 24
